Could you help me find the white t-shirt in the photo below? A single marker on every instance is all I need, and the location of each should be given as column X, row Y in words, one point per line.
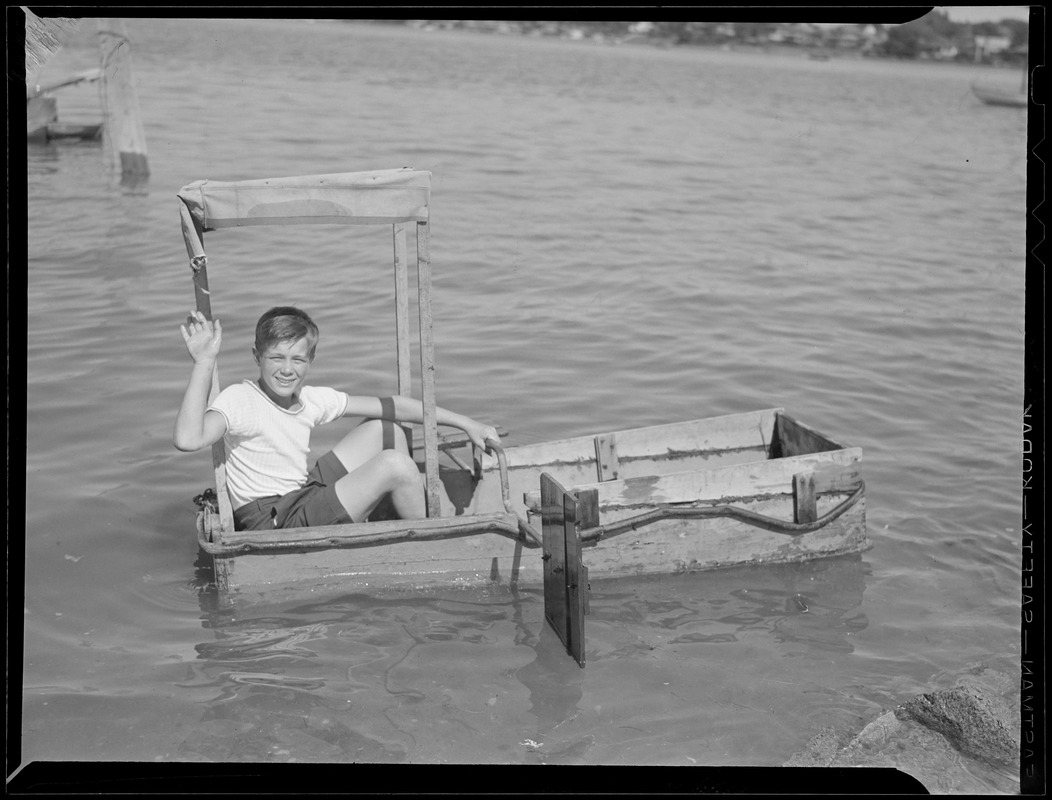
column 266, row 445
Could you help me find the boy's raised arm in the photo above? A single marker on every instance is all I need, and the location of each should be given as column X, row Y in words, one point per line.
column 194, row 427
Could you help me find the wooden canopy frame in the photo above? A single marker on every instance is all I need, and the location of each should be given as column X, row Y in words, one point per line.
column 399, row 198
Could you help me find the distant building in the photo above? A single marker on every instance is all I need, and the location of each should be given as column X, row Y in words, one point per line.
column 986, row 46
column 845, row 36
column 803, row 34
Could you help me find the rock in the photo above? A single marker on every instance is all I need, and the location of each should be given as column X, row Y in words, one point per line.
column 972, row 716
column 820, row 751
column 972, row 719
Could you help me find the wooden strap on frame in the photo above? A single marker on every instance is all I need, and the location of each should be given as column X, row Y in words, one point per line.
column 427, row 369
column 192, row 235
column 401, row 269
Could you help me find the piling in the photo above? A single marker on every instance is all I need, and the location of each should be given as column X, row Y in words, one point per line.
column 122, row 120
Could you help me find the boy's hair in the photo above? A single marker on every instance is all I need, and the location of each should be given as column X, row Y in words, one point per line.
column 285, row 324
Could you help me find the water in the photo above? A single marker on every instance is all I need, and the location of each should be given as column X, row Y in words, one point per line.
column 622, row 236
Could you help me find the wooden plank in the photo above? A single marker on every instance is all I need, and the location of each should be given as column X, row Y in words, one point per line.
column 362, row 530
column 714, row 439
column 450, row 563
column 564, row 583
column 793, row 438
column 349, row 198
column 401, row 277
column 554, row 555
column 122, row 120
column 834, row 471
column 804, row 508
column 85, row 76
column 587, row 507
column 676, row 546
column 575, row 579
column 586, row 594
column 587, row 517
column 427, row 369
column 606, row 457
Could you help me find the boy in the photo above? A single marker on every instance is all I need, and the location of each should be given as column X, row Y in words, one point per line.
column 266, row 425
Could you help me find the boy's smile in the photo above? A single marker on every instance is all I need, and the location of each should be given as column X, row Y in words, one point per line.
column 283, row 369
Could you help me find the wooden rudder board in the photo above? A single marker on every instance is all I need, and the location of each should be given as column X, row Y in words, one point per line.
column 565, row 578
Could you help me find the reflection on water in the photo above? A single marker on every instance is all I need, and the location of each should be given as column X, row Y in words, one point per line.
column 383, row 679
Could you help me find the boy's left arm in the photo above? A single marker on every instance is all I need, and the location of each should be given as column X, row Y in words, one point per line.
column 408, row 409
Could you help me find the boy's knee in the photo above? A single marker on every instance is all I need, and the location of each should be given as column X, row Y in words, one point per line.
column 399, row 465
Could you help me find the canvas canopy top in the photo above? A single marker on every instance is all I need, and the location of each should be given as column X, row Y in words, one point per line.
column 350, row 198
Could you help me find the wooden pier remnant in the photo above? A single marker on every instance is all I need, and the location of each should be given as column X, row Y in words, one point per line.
column 122, row 120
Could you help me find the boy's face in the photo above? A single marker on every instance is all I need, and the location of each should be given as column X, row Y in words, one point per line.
column 283, row 369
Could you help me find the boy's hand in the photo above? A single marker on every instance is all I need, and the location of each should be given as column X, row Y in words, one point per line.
column 203, row 338
column 479, row 433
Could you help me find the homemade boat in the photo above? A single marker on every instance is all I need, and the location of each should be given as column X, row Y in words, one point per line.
column 749, row 488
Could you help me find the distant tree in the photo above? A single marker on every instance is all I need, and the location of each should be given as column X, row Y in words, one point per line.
column 986, row 28
column 754, row 31
column 903, row 41
column 1019, row 30
column 933, row 31
column 938, row 23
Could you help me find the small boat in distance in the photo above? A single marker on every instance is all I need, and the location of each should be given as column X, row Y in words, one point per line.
column 1000, row 96
column 42, row 123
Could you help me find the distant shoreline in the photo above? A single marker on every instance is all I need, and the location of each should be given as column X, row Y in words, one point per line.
column 803, row 52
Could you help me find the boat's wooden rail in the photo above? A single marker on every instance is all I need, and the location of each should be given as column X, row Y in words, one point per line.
column 364, row 534
column 712, row 442
column 826, row 472
column 369, row 534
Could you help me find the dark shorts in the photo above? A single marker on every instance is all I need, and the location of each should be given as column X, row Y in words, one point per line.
column 315, row 503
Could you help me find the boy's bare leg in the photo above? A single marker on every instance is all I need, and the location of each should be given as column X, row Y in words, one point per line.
column 374, row 473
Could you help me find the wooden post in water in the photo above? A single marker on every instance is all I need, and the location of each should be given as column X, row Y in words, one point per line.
column 122, row 121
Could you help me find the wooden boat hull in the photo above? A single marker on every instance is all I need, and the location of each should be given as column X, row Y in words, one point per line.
column 62, row 131
column 994, row 96
column 751, row 462
column 42, row 123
